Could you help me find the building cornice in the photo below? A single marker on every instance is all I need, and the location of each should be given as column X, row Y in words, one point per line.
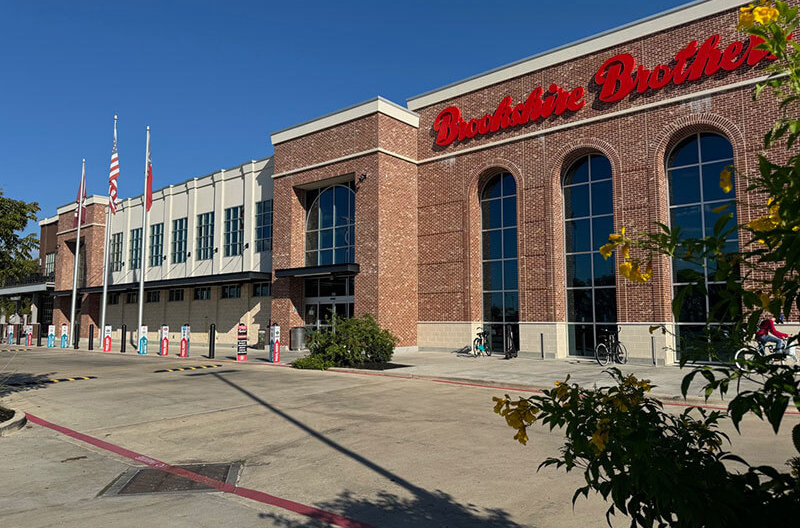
column 372, row 106
column 345, row 158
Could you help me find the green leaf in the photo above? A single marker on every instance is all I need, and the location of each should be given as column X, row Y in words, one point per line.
column 687, row 380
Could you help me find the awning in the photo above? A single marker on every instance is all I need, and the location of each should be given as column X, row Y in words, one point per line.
column 319, row 271
column 225, row 278
column 26, row 288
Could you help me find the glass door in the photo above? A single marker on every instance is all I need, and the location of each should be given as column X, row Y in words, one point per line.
column 326, row 297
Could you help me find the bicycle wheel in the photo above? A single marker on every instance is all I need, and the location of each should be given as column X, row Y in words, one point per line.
column 601, row 354
column 621, row 353
column 487, row 348
column 475, row 344
column 743, row 357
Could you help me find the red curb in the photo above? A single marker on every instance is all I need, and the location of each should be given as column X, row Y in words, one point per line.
column 259, row 496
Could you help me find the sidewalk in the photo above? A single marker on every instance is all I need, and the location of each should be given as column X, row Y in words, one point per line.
column 494, row 371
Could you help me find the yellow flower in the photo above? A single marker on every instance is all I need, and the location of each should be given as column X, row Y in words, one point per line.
column 765, row 223
column 764, row 298
column 725, row 181
column 765, row 15
column 521, row 436
column 613, row 237
column 796, row 228
column 500, row 403
column 626, row 251
column 607, row 250
column 625, row 269
column 746, row 20
column 514, row 419
column 648, row 272
column 561, row 391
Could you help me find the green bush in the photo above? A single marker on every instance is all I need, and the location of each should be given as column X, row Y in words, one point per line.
column 311, row 363
column 352, row 342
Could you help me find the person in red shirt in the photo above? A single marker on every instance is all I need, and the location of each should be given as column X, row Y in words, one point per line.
column 767, row 333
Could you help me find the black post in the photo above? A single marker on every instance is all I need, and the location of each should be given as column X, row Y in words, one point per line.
column 77, row 337
column 212, row 334
column 39, row 336
column 124, row 338
column 91, row 337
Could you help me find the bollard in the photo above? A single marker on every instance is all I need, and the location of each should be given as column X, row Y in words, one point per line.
column 124, row 338
column 212, row 334
column 91, row 337
column 76, row 339
column 39, row 337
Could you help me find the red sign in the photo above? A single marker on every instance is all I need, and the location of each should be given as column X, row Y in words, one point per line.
column 617, row 78
column 619, row 75
column 540, row 105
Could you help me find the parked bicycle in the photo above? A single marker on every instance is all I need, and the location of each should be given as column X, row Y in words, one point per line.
column 610, row 348
column 481, row 345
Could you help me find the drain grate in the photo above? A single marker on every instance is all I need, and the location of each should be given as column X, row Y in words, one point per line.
column 137, row 481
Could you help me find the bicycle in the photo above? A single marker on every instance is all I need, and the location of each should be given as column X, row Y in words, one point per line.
column 481, row 344
column 746, row 355
column 611, row 348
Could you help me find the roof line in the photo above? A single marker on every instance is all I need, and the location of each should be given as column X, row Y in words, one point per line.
column 719, row 6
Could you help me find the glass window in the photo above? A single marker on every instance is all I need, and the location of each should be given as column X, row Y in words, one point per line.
column 234, row 231
column 500, row 276
column 330, row 226
column 264, row 226
column 694, row 167
column 176, row 295
column 591, row 280
column 132, row 297
column 156, row 244
column 327, row 296
column 233, row 291
column 136, row 248
column 205, row 236
column 261, row 289
column 152, row 296
column 113, row 298
column 179, row 229
column 202, row 294
column 49, row 264
column 115, row 255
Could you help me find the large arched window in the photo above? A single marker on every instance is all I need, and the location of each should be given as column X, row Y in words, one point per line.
column 696, row 200
column 330, row 229
column 591, row 281
column 499, row 258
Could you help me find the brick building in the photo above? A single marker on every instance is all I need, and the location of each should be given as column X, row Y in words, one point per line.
column 484, row 202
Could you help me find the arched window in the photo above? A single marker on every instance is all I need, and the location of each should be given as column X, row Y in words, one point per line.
column 591, row 281
column 330, row 230
column 499, row 258
column 693, row 172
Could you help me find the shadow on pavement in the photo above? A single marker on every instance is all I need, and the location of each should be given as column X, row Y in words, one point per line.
column 434, row 509
column 424, row 508
column 21, row 382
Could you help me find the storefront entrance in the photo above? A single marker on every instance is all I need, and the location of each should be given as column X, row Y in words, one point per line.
column 325, row 297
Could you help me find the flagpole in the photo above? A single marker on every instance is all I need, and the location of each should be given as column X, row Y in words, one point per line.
column 105, row 254
column 77, row 252
column 143, row 262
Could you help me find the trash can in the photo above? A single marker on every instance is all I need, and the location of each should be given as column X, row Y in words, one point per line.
column 297, row 338
column 262, row 340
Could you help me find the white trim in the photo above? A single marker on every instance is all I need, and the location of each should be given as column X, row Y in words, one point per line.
column 91, row 200
column 50, row 220
column 615, row 37
column 378, row 104
column 602, row 117
column 345, row 158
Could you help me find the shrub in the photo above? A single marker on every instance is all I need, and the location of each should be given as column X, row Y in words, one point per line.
column 352, row 343
column 312, row 363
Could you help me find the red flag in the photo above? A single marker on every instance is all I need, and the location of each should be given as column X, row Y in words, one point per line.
column 80, row 210
column 149, row 193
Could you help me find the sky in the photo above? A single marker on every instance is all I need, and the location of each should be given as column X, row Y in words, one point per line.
column 214, row 79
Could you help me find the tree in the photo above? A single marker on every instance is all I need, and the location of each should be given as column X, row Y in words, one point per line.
column 662, row 469
column 16, row 250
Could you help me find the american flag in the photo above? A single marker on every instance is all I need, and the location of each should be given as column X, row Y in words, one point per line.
column 113, row 173
column 149, row 191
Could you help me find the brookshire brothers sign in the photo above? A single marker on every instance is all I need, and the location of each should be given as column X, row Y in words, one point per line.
column 617, row 78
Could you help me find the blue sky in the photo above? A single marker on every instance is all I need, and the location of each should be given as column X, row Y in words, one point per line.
column 213, row 79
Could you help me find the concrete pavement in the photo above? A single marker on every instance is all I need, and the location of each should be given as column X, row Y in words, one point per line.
column 386, row 451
